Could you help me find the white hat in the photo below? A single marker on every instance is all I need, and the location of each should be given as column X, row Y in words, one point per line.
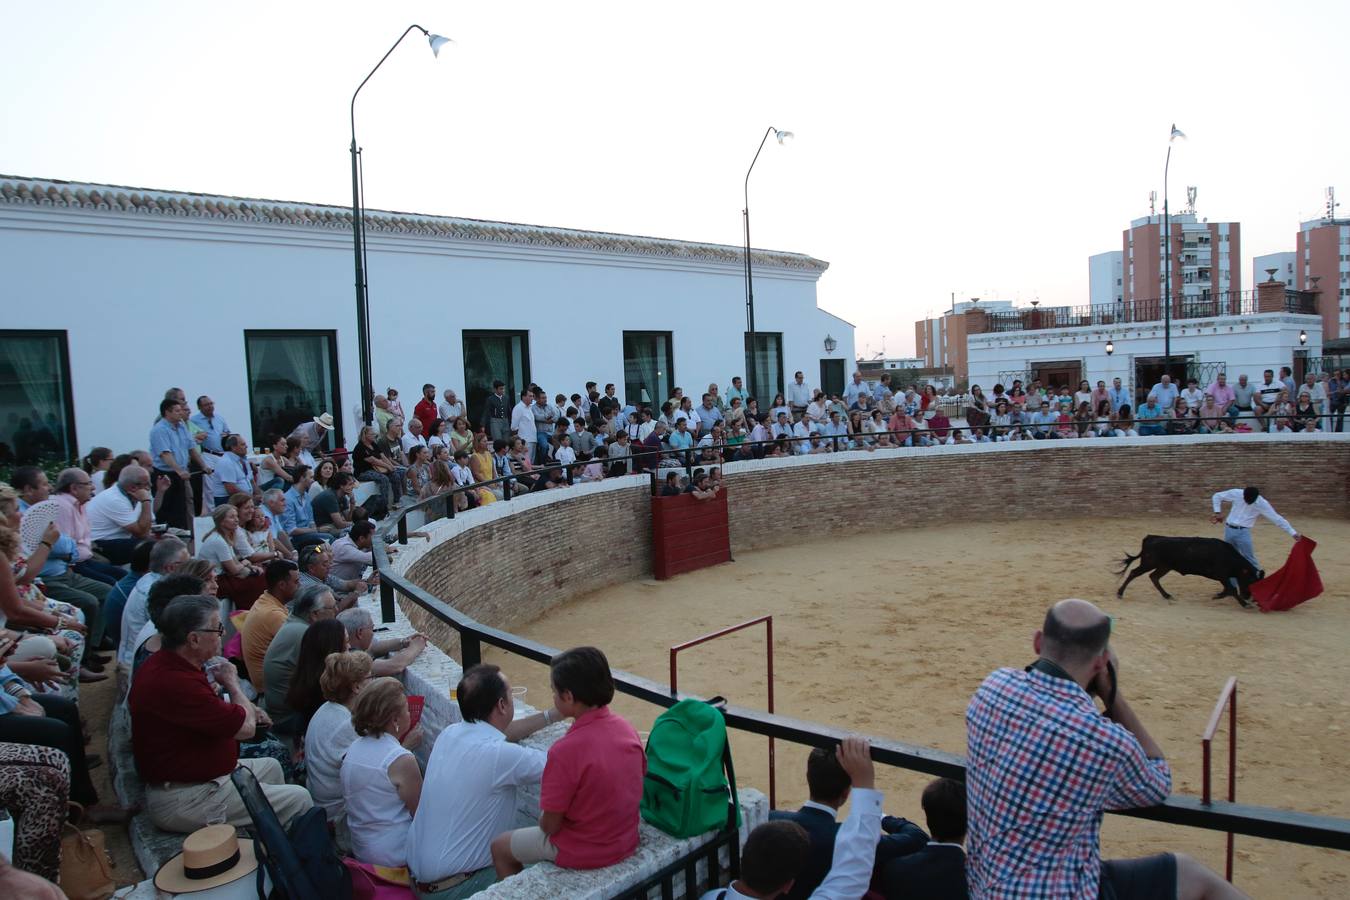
column 325, row 420
column 212, row 857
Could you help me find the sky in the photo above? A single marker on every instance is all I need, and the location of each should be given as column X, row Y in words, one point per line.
column 967, row 149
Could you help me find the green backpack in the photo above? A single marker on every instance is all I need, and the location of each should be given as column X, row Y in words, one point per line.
column 690, row 785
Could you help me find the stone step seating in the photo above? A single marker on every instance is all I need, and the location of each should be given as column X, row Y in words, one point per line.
column 433, row 675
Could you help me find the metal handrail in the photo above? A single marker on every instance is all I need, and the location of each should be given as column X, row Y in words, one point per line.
column 1225, row 303
column 1270, row 823
column 642, row 455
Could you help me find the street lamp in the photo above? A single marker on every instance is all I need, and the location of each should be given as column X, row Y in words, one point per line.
column 1167, row 246
column 1110, row 347
column 783, row 137
column 830, row 344
column 436, row 42
column 1303, row 338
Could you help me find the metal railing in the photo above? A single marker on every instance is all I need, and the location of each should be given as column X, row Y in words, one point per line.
column 1229, row 303
column 647, row 461
column 1227, row 697
column 687, row 865
column 1264, row 822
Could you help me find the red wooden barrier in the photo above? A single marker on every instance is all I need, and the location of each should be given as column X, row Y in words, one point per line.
column 689, row 534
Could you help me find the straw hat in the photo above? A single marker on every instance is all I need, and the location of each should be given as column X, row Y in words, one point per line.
column 211, row 857
column 324, row 420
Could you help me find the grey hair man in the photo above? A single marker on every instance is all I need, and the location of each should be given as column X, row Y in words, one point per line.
column 314, row 603
column 392, row 655
column 185, row 738
column 122, row 516
column 167, row 556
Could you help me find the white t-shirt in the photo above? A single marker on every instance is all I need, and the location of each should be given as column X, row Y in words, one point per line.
column 473, row 773
column 326, row 741
column 410, row 441
column 218, row 550
column 134, row 617
column 450, row 412
column 376, row 817
column 109, row 514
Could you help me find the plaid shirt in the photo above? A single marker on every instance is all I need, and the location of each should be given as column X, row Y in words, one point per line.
column 1043, row 765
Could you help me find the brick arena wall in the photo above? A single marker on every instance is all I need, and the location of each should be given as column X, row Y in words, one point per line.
column 507, row 564
column 534, row 553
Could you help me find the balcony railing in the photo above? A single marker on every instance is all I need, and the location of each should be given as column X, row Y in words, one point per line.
column 1232, row 303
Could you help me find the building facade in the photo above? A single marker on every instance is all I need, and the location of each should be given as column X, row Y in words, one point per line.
column 1106, row 277
column 941, row 342
column 1206, row 258
column 115, row 294
column 1323, row 265
column 1283, row 264
column 1264, row 329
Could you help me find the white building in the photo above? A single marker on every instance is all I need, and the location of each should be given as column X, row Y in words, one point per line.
column 1282, row 263
column 1105, row 283
column 1256, row 333
column 115, row 294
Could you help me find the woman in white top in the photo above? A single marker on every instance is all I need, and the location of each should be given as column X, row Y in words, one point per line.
column 1083, row 394
column 228, row 550
column 381, row 783
column 330, row 729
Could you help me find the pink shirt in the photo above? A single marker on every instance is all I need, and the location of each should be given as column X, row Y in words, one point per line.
column 594, row 778
column 74, row 524
column 1223, row 395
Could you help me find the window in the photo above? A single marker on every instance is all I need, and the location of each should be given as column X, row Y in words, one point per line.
column 37, row 416
column 648, row 368
column 292, row 377
column 764, row 366
column 494, row 356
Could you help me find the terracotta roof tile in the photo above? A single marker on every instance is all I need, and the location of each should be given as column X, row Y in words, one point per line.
column 143, row 201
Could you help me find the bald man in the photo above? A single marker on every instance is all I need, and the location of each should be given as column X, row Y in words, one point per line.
column 1044, row 764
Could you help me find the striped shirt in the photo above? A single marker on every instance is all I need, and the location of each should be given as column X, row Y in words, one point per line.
column 1043, row 765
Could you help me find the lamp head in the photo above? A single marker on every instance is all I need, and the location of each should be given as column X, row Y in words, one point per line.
column 1176, row 133
column 783, row 136
column 1303, row 337
column 1110, row 347
column 437, row 42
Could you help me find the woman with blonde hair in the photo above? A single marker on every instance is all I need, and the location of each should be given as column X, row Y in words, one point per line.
column 228, row 550
column 330, row 730
column 381, row 783
column 484, row 469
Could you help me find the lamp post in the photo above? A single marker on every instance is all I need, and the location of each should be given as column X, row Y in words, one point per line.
column 359, row 233
column 1167, row 249
column 783, row 137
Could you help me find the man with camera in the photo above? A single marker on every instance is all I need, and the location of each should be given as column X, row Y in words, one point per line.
column 1044, row 764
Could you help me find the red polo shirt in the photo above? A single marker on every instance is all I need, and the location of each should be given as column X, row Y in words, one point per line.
column 594, row 778
column 180, row 729
column 426, row 413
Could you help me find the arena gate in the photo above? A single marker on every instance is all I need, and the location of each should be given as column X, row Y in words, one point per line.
column 689, row 534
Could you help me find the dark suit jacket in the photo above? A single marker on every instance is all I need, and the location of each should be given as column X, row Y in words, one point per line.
column 821, row 828
column 904, row 838
column 933, row 873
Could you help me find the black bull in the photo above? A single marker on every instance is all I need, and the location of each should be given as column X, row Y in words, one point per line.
column 1208, row 557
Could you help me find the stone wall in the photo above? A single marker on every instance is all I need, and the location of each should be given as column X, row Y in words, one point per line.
column 508, row 563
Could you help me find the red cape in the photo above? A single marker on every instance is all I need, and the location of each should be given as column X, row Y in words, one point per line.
column 1295, row 582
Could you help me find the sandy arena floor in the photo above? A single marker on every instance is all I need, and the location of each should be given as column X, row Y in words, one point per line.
column 890, row 633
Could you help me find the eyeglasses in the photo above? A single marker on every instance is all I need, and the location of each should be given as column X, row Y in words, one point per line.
column 219, row 630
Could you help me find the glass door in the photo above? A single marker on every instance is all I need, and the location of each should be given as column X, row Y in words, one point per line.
column 648, row 373
column 494, row 356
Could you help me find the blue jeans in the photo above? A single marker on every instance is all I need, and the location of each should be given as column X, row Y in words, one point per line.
column 1241, row 541
column 100, row 571
column 1146, row 430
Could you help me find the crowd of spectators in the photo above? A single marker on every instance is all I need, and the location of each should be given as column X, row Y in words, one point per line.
column 241, row 642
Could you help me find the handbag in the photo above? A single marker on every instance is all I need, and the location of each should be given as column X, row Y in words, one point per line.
column 86, row 869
